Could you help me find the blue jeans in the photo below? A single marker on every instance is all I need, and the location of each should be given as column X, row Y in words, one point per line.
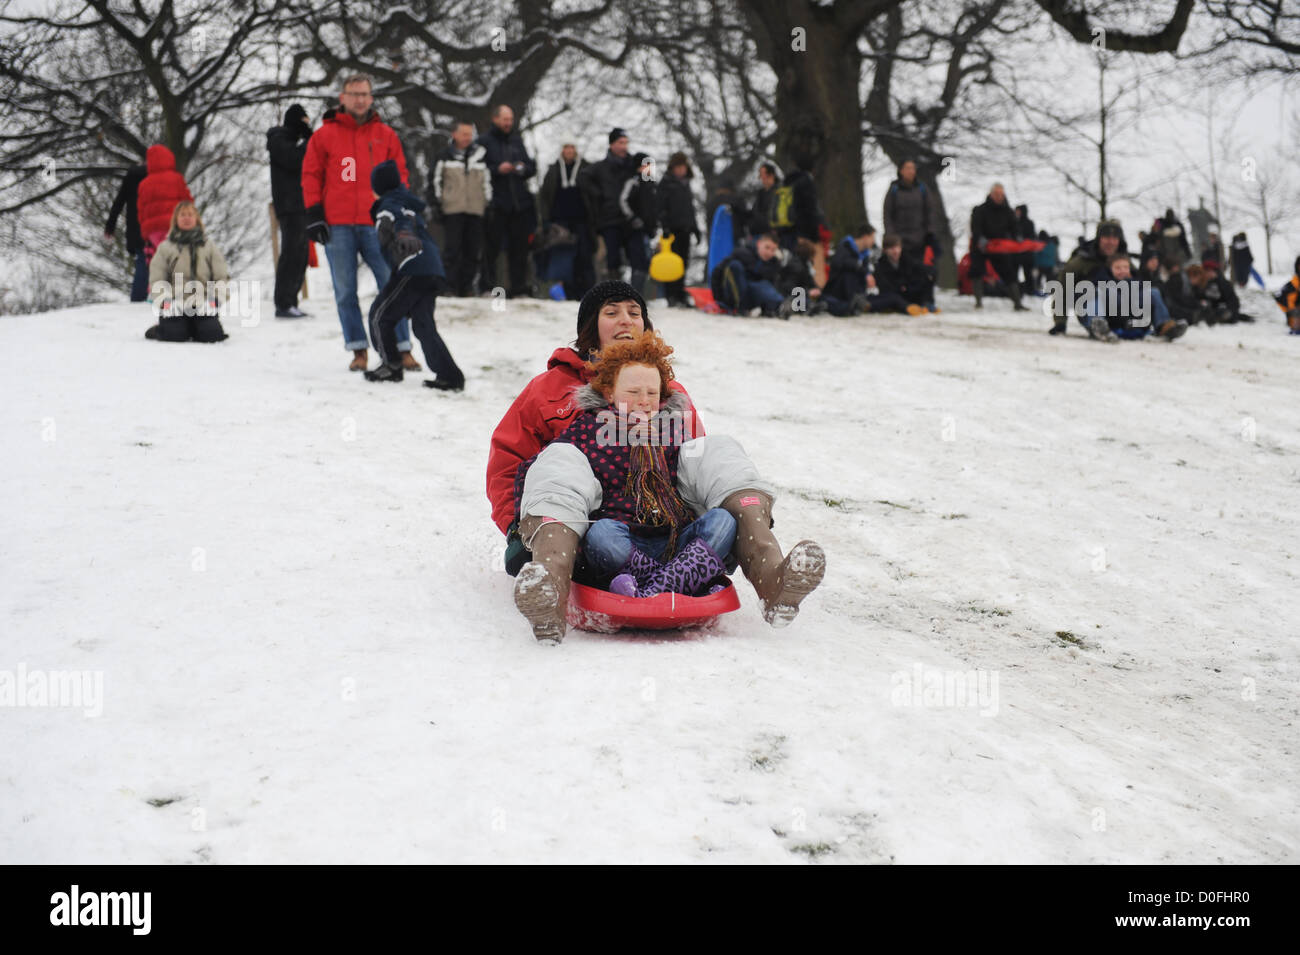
column 346, row 241
column 609, row 543
column 1120, row 325
column 140, row 280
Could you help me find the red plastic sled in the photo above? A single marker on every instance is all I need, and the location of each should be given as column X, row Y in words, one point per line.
column 1013, row 246
column 603, row 612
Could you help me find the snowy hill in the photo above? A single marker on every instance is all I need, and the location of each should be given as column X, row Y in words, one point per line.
column 289, row 583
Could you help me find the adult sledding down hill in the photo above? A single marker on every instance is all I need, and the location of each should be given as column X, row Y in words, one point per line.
column 615, row 311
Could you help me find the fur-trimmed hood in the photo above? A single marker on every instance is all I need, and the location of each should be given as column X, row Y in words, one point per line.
column 587, row 398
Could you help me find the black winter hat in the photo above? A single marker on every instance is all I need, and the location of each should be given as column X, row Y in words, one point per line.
column 295, row 115
column 385, row 177
column 618, row 132
column 611, row 291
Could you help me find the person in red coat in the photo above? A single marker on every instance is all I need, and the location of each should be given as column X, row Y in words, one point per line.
column 611, row 312
column 351, row 142
column 158, row 194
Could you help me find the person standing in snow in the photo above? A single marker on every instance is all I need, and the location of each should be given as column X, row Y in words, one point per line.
column 760, row 210
column 994, row 219
column 462, row 189
column 563, row 205
column 126, row 200
column 287, row 145
column 351, row 141
column 676, row 214
column 156, row 198
column 412, row 288
column 907, row 212
column 1242, row 260
column 512, row 214
column 607, row 185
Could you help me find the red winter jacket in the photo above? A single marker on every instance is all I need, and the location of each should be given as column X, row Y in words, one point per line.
column 543, row 409
column 340, row 156
column 159, row 191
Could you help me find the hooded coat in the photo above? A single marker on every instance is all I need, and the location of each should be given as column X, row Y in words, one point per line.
column 159, row 192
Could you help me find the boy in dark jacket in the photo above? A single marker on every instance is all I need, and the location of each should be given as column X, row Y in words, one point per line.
column 412, row 288
column 1220, row 296
column 845, row 292
column 676, row 213
column 903, row 285
column 287, row 146
column 746, row 278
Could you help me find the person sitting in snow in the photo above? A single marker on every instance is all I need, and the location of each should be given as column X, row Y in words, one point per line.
column 1088, row 259
column 746, row 279
column 845, row 292
column 413, row 284
column 630, row 475
column 1289, row 300
column 719, row 471
column 188, row 280
column 904, row 285
column 644, row 539
column 1221, row 298
column 1139, row 308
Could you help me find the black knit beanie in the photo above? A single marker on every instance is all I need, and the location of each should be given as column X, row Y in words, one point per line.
column 295, row 115
column 385, row 177
column 611, row 291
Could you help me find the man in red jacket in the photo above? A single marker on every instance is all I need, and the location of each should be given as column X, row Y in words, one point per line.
column 351, row 141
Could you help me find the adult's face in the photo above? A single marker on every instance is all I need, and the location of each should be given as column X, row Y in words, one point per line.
column 186, row 219
column 463, row 136
column 504, row 120
column 356, row 100
column 619, row 147
column 569, row 153
column 894, row 253
column 766, row 179
column 998, row 195
column 907, row 172
column 619, row 321
column 1108, row 244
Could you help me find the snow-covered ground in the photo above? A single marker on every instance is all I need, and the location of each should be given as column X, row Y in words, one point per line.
column 287, row 580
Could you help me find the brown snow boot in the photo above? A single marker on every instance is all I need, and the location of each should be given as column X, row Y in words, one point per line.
column 781, row 583
column 360, row 359
column 409, row 363
column 542, row 587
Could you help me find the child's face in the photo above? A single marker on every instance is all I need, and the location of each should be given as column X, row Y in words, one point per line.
column 766, row 248
column 187, row 219
column 637, row 387
column 895, row 252
column 1121, row 269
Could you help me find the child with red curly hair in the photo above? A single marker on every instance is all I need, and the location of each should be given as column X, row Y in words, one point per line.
column 643, row 538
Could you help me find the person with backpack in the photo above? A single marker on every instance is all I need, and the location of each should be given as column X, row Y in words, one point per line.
column 747, row 278
column 126, row 199
column 760, row 210
column 462, row 189
column 412, row 288
column 287, row 145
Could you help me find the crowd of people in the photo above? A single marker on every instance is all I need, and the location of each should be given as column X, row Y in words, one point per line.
column 480, row 228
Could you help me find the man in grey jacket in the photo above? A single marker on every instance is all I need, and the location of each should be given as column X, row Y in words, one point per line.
column 461, row 191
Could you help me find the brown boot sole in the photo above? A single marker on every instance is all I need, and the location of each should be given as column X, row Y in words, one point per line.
column 538, row 599
column 803, row 569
